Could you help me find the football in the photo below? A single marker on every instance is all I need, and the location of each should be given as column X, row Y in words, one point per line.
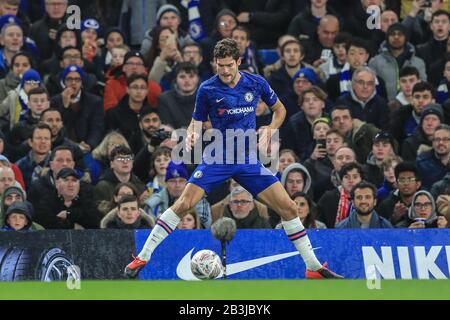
column 206, row 264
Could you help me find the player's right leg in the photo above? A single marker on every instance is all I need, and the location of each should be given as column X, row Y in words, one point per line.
column 165, row 225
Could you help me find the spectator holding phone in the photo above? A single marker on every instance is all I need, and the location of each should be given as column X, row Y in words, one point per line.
column 164, row 54
column 419, row 16
column 320, row 164
column 422, row 213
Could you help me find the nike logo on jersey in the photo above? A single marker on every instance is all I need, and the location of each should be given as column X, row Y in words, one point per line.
column 218, row 100
column 184, row 266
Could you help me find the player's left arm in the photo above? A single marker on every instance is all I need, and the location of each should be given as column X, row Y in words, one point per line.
column 279, row 113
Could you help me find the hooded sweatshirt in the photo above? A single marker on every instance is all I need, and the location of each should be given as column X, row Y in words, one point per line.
column 431, row 222
column 307, row 176
column 32, row 226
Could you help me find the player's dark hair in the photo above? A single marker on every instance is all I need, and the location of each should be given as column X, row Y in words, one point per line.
column 363, row 185
column 226, row 48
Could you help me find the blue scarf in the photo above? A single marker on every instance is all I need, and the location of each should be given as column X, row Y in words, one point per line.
column 250, row 60
column 23, row 100
column 196, row 28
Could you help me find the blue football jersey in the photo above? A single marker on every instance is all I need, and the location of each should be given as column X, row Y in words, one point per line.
column 233, row 109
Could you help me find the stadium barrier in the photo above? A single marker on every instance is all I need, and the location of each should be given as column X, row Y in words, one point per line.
column 253, row 254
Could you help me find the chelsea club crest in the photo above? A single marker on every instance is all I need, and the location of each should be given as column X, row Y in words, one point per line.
column 198, row 174
column 248, row 97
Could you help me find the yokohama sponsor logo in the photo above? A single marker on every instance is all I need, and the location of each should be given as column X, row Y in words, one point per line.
column 244, row 110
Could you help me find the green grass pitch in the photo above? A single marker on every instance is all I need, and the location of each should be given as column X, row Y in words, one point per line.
column 229, row 290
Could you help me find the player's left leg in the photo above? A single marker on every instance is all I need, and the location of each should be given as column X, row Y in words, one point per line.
column 276, row 197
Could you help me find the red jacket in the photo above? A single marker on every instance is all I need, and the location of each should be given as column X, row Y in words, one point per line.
column 18, row 174
column 116, row 88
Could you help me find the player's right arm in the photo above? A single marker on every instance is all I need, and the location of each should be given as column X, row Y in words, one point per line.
column 199, row 116
column 193, row 133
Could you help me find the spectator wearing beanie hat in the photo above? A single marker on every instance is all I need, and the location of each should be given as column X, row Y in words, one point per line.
column 10, row 195
column 82, row 112
column 206, row 9
column 116, row 87
column 421, row 140
column 395, row 53
column 90, row 29
column 176, row 181
column 167, row 16
column 71, row 55
column 90, row 35
column 15, row 105
column 65, row 37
